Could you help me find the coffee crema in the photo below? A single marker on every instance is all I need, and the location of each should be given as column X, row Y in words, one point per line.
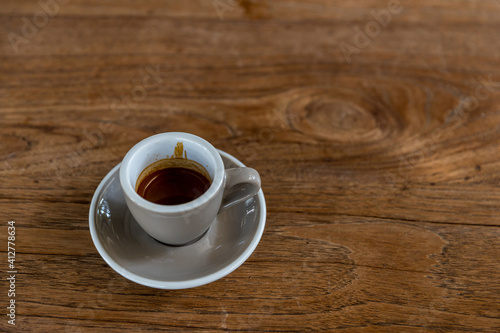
column 173, row 181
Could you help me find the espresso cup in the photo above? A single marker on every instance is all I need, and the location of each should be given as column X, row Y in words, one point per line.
column 185, row 223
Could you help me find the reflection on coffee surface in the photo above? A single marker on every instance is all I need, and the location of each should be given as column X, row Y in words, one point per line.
column 173, row 181
column 173, row 186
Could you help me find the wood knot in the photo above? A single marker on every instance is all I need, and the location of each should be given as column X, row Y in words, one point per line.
column 337, row 118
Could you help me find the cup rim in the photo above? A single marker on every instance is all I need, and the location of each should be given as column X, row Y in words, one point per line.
column 213, row 190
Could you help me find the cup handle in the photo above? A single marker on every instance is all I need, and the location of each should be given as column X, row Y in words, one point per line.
column 241, row 184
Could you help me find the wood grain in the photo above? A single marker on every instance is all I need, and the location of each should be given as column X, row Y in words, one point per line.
column 380, row 168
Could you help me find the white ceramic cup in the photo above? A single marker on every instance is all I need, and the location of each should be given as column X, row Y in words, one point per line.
column 184, row 223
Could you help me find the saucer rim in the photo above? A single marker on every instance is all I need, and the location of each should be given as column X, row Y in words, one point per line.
column 173, row 285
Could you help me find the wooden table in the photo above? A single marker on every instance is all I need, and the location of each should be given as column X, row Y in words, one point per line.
column 375, row 126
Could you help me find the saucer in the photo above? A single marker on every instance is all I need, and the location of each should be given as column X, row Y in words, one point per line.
column 131, row 252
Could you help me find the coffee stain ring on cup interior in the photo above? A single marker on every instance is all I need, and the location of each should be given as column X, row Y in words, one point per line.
column 177, row 160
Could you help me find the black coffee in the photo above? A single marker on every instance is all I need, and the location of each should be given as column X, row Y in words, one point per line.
column 173, row 186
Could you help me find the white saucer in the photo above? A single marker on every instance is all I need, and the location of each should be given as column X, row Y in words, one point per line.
column 131, row 252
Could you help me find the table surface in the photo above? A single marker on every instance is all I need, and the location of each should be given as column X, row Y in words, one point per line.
column 375, row 127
